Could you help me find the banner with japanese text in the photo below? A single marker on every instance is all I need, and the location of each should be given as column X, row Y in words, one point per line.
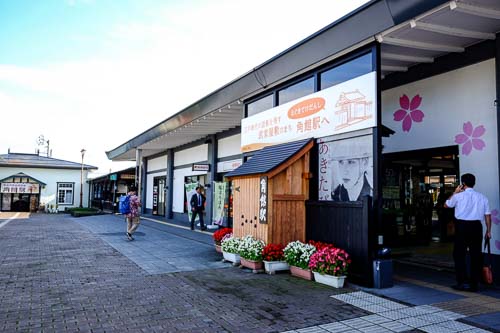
column 190, row 190
column 220, row 190
column 20, row 188
column 345, row 107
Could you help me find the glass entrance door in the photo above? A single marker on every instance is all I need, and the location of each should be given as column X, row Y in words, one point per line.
column 415, row 186
column 159, row 190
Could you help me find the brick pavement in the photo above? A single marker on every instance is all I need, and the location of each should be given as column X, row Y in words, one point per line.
column 58, row 276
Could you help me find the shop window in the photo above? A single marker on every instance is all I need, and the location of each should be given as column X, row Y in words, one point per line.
column 300, row 89
column 65, row 193
column 262, row 104
column 347, row 71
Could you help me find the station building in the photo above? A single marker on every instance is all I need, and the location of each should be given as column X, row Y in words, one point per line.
column 399, row 97
column 31, row 182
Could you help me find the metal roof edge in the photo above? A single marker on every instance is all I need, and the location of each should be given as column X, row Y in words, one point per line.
column 36, row 166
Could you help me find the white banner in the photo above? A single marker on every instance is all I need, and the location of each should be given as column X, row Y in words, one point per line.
column 346, row 107
column 20, row 188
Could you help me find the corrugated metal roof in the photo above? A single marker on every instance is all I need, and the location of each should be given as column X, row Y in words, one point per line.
column 37, row 161
column 269, row 158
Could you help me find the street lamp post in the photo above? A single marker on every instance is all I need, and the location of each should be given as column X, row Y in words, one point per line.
column 81, row 180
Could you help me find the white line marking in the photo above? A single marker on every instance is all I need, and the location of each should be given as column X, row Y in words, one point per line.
column 12, row 218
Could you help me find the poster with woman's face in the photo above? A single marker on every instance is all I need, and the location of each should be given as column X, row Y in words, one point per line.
column 346, row 169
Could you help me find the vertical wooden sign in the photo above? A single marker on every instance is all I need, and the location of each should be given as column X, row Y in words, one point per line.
column 263, row 200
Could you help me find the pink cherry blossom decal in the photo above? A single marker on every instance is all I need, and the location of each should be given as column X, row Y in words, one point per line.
column 409, row 111
column 494, row 216
column 470, row 138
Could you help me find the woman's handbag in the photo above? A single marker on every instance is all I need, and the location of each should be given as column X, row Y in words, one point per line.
column 487, row 272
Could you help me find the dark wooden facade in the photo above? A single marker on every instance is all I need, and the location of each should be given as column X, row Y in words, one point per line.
column 348, row 226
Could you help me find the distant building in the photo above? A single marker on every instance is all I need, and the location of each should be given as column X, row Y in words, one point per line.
column 106, row 190
column 30, row 182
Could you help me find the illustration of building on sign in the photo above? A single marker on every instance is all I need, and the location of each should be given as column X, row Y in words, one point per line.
column 352, row 107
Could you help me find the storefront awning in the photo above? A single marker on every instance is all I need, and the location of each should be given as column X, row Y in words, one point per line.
column 270, row 158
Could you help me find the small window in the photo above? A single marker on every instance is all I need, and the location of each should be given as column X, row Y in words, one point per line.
column 263, row 104
column 300, row 89
column 65, row 193
column 347, row 71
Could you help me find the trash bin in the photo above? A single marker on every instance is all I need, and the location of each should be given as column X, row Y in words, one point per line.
column 382, row 273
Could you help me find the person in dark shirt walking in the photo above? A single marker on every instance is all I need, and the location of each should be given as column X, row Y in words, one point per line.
column 197, row 207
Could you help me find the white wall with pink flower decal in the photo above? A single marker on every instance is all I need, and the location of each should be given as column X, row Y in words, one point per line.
column 455, row 108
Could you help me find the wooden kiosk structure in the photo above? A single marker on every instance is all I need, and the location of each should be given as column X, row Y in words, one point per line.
column 269, row 193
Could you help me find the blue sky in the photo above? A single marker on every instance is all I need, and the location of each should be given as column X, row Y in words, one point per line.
column 94, row 73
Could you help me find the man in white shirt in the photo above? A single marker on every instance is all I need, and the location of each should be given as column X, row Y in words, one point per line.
column 471, row 208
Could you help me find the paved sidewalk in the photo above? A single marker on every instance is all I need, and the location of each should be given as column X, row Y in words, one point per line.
column 58, row 276
column 63, row 274
column 157, row 248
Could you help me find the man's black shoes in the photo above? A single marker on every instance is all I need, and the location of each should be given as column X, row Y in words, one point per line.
column 460, row 287
column 466, row 287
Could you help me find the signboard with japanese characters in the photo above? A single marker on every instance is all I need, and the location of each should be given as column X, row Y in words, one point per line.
column 20, row 188
column 263, row 200
column 346, row 107
column 200, row 167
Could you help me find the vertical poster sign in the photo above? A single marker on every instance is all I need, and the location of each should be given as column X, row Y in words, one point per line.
column 263, row 200
column 190, row 190
column 346, row 169
column 219, row 198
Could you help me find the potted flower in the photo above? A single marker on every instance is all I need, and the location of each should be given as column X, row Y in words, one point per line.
column 274, row 258
column 320, row 245
column 250, row 251
column 230, row 246
column 297, row 255
column 219, row 235
column 330, row 266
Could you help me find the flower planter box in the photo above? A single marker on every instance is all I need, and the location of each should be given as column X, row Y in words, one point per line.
column 301, row 273
column 218, row 248
column 272, row 267
column 231, row 257
column 330, row 280
column 255, row 266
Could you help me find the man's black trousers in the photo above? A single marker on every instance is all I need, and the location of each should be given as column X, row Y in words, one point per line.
column 193, row 217
column 468, row 235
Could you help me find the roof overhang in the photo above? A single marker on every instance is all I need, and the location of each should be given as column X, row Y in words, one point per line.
column 410, row 33
column 449, row 28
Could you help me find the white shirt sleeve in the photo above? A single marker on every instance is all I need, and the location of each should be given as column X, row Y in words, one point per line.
column 486, row 207
column 451, row 202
